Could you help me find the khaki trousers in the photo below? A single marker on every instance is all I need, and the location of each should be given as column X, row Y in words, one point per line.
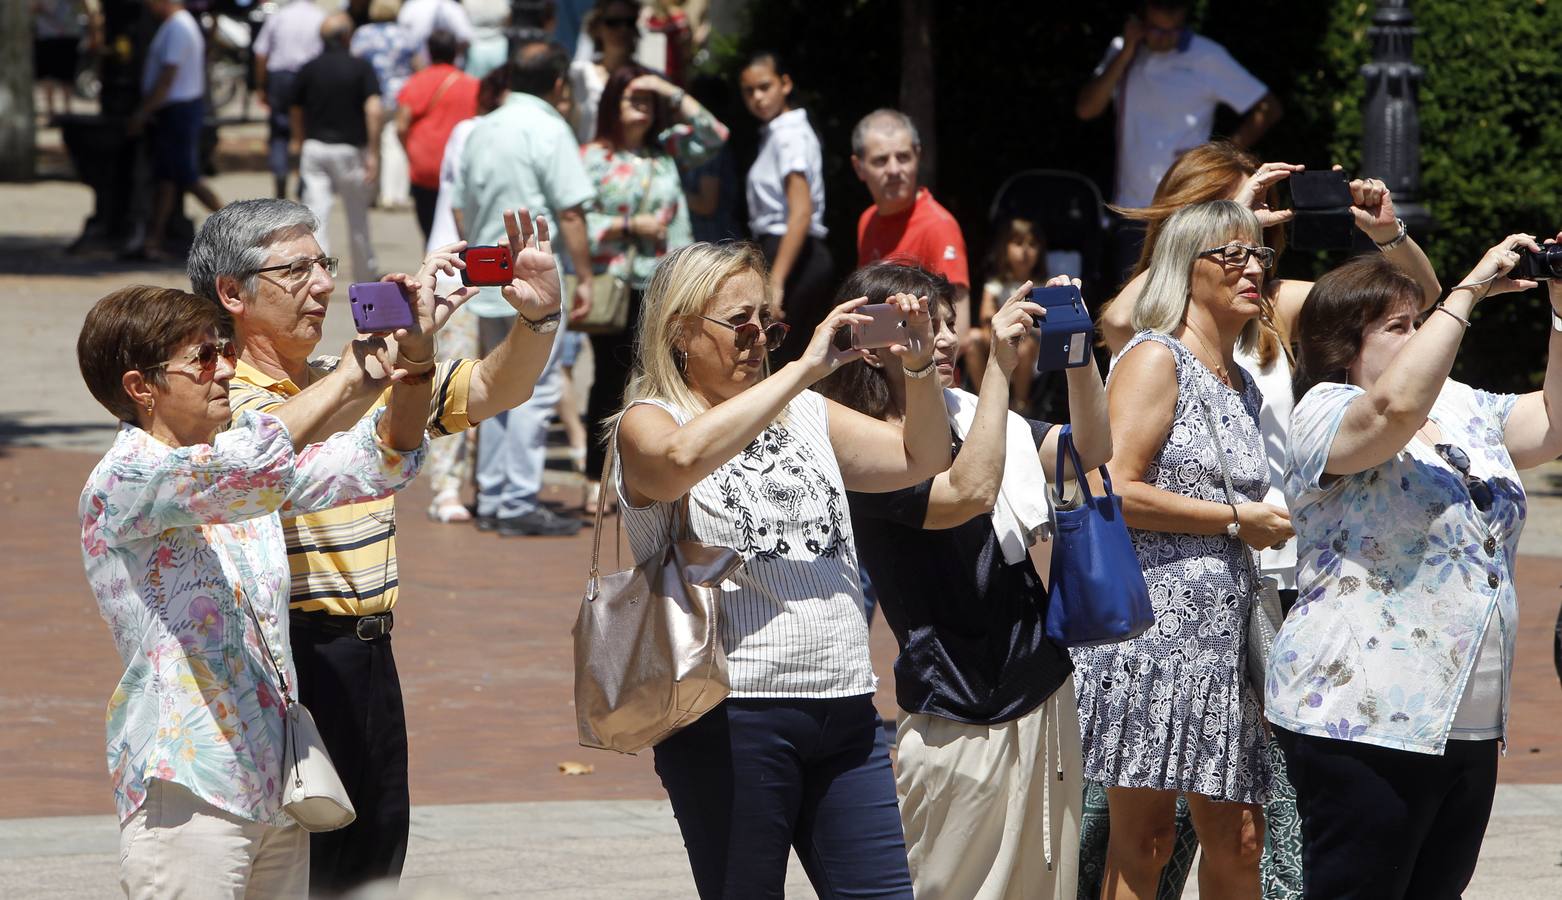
column 993, row 811
column 178, row 845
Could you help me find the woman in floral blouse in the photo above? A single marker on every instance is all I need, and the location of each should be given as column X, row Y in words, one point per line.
column 647, row 129
column 180, row 533
column 1388, row 683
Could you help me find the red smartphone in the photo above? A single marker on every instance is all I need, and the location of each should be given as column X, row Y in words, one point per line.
column 379, row 306
column 486, row 266
column 887, row 328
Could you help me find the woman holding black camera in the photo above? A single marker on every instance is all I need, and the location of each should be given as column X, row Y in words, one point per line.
column 1388, row 688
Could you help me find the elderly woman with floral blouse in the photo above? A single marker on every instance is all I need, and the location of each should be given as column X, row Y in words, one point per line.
column 182, row 544
column 647, row 130
column 1388, row 683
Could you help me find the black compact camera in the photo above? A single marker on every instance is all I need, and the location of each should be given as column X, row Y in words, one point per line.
column 1539, row 265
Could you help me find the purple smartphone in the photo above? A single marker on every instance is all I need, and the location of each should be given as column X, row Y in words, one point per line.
column 378, row 306
column 888, row 327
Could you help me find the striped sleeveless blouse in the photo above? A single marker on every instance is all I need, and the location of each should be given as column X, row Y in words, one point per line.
column 792, row 617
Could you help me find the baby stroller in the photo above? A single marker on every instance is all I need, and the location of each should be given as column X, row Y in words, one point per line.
column 1068, row 208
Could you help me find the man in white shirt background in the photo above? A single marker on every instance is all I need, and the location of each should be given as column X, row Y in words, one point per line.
column 289, row 39
column 171, row 112
column 1166, row 82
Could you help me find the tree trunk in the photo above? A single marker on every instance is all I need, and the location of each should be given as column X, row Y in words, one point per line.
column 916, row 78
column 16, row 91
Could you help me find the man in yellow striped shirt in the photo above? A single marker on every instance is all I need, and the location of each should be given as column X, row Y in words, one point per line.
column 260, row 260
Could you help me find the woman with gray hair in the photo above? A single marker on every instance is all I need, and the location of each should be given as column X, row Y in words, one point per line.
column 1171, row 712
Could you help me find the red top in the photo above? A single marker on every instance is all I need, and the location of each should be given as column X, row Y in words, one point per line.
column 925, row 234
column 456, row 93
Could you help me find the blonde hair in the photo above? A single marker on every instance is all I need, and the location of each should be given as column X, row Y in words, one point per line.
column 1163, row 304
column 684, row 282
column 384, row 10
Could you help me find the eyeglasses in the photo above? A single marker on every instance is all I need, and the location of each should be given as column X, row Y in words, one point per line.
column 298, row 268
column 744, row 336
column 1234, row 255
column 619, row 22
column 1480, row 491
column 205, row 356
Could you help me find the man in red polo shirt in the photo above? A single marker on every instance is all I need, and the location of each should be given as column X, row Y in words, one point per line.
column 905, row 222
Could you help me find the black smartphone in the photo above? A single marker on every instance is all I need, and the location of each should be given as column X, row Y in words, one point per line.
column 1319, row 190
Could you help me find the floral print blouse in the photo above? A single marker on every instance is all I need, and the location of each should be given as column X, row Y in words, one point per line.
column 175, row 542
column 620, row 179
column 388, row 49
column 1399, row 576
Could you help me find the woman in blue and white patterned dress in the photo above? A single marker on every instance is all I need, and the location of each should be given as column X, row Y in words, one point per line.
column 1171, row 712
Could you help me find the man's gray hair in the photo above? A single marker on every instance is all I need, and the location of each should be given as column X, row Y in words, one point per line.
column 236, row 240
column 884, row 119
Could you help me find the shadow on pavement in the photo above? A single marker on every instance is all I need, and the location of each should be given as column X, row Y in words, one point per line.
column 46, row 256
column 16, row 431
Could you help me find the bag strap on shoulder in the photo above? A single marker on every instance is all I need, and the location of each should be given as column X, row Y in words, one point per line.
column 679, row 527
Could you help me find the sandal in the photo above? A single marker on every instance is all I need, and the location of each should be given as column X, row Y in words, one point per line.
column 447, row 509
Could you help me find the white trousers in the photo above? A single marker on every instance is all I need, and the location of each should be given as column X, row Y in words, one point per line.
column 993, row 811
column 395, row 170
column 178, row 845
column 329, row 170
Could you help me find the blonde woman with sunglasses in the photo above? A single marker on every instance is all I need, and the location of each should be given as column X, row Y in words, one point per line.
column 794, row 758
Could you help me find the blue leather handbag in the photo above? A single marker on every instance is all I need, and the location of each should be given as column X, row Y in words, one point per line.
column 1096, row 593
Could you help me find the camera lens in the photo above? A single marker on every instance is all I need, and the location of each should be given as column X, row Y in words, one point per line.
column 1551, row 260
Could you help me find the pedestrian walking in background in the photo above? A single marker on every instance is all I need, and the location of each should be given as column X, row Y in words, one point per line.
column 287, row 42
column 794, row 757
column 386, row 46
column 172, row 112
column 786, row 198
column 1172, row 711
column 523, row 154
column 427, row 110
column 648, row 129
column 1389, row 687
column 421, row 18
column 184, row 548
column 336, row 120
column 490, row 46
column 58, row 27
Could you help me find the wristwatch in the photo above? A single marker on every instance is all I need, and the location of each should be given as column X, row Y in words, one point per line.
column 546, row 325
column 1556, row 321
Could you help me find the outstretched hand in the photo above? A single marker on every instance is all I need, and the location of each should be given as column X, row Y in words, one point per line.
column 1254, row 192
column 536, row 290
column 430, row 311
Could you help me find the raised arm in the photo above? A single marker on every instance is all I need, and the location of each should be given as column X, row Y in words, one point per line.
column 1142, row 401
column 504, row 379
column 1534, row 431
column 1259, row 119
column 876, row 456
column 1088, row 413
column 1096, row 95
column 969, row 488
column 1380, row 422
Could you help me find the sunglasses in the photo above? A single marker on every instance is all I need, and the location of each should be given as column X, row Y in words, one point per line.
column 298, row 268
column 204, row 356
column 744, row 336
column 1480, row 491
column 1235, row 255
column 619, row 22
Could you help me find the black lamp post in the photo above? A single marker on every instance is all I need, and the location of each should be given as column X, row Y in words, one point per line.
column 1391, row 123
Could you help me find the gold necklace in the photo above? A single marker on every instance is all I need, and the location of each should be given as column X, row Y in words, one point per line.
column 1219, row 368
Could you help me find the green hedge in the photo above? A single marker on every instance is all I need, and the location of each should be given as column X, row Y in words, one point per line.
column 1007, row 74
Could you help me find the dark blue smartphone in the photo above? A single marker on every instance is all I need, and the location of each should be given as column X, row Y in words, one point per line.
column 378, row 306
column 1066, row 330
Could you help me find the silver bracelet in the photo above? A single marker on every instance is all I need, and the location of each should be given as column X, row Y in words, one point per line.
column 1397, row 239
column 1457, row 318
column 922, row 372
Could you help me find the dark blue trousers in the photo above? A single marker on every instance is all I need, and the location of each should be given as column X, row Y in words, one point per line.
column 753, row 779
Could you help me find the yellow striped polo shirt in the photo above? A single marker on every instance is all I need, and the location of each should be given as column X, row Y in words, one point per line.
column 343, row 560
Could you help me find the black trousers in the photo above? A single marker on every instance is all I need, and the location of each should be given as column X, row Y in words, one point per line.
column 1381, row 824
column 809, row 294
column 423, row 202
column 351, row 688
column 612, row 355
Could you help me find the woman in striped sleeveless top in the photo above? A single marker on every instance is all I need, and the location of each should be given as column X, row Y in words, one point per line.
column 795, row 756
